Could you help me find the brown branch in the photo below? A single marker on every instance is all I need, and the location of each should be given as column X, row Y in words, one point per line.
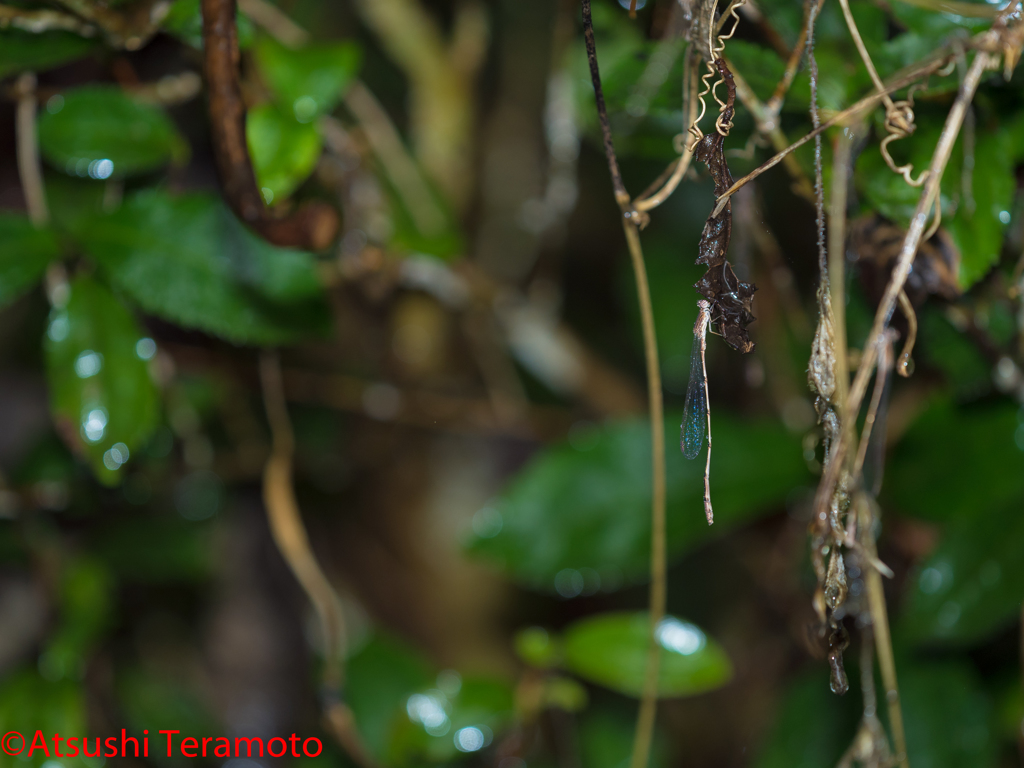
column 313, row 225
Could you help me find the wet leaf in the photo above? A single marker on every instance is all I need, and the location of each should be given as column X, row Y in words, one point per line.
column 578, row 518
column 610, row 649
column 958, row 463
column 284, row 151
column 970, row 587
column 311, row 80
column 98, row 131
column 101, row 395
column 188, row 259
column 975, row 222
column 22, row 51
column 25, row 254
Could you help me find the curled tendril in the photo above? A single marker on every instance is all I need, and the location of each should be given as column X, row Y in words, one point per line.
column 716, row 46
column 899, row 124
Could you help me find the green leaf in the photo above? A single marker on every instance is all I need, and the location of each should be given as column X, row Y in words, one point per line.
column 971, row 585
column 537, row 647
column 100, row 132
column 942, row 346
column 606, row 739
column 947, row 716
column 184, row 20
column 22, row 51
column 610, row 649
column 977, row 231
column 579, row 516
column 958, row 463
column 101, row 394
column 24, row 254
column 28, row 703
column 86, row 600
column 813, row 725
column 284, row 151
column 175, row 550
column 188, row 259
column 311, row 80
column 759, row 66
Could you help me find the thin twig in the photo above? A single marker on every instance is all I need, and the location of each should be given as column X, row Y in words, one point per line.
column 883, row 639
column 292, row 541
column 29, row 167
column 841, row 166
column 649, row 699
column 900, row 80
column 899, row 275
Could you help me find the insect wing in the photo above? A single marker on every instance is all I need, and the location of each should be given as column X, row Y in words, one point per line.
column 691, row 438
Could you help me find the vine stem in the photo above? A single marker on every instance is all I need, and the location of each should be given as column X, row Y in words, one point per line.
column 649, row 698
column 29, row 167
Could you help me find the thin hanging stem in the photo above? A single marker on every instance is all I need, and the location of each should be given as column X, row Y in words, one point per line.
column 658, row 590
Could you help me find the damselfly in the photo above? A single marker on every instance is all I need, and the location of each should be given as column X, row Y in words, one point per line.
column 697, row 411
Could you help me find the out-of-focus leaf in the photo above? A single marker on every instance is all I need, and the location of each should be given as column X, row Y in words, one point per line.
column 25, row 253
column 606, row 739
column 971, row 586
column 958, row 463
column 72, row 199
column 86, row 593
column 977, row 231
column 379, row 679
column 582, row 514
column 102, row 397
column 942, row 346
column 185, row 21
column 947, row 716
column 610, row 649
column 28, row 703
column 311, row 80
column 284, row 151
column 188, row 260
column 147, row 697
column 157, row 549
column 761, row 67
column 100, row 132
column 538, row 647
column 407, row 715
column 813, row 726
column 22, row 51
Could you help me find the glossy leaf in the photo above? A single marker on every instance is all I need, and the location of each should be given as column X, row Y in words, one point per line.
column 958, row 463
column 284, row 151
column 22, row 51
column 311, row 80
column 98, row 131
column 406, row 713
column 577, row 518
column 101, row 394
column 188, row 259
column 25, row 254
column 970, row 587
column 977, row 230
column 610, row 649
